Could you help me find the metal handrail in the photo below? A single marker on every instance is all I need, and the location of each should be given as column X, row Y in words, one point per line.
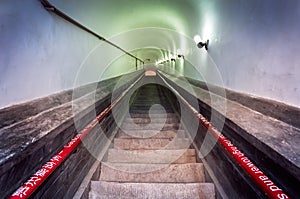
column 53, row 9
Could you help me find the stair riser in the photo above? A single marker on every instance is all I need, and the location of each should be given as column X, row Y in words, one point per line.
column 150, row 157
column 172, row 173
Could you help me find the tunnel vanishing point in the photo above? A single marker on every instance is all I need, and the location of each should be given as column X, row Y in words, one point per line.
column 149, row 99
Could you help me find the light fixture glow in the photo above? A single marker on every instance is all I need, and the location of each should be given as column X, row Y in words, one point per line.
column 179, row 51
column 197, row 39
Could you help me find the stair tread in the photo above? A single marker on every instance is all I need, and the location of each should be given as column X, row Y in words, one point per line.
column 155, row 115
column 152, row 120
column 112, row 190
column 161, row 112
column 130, row 172
column 150, row 143
column 152, row 156
column 152, row 126
column 142, row 134
column 149, row 106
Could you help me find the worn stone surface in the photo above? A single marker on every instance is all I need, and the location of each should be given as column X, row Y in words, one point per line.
column 33, row 139
column 273, row 145
column 137, row 158
column 138, row 111
column 152, row 120
column 20, row 136
column 170, row 134
column 154, row 115
column 149, row 156
column 134, row 144
column 278, row 135
column 272, row 108
column 62, row 183
column 126, row 172
column 113, row 190
column 16, row 113
column 152, row 126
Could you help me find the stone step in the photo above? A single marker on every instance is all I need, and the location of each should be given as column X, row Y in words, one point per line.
column 152, row 126
column 140, row 104
column 151, row 134
column 146, row 110
column 154, row 144
column 152, row 156
column 156, row 115
column 150, row 98
column 113, row 190
column 147, row 107
column 152, row 111
column 150, row 120
column 155, row 173
column 146, row 100
column 148, row 93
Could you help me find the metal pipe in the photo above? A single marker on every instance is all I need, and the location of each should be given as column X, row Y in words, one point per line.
column 53, row 9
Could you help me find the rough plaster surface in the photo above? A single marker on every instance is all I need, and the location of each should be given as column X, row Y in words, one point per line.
column 254, row 44
column 42, row 54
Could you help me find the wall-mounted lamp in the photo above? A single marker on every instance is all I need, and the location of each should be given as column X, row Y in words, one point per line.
column 200, row 43
column 180, row 54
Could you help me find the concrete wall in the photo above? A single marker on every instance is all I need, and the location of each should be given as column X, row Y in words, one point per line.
column 255, row 45
column 42, row 53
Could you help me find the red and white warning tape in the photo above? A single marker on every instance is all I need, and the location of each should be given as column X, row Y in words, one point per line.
column 264, row 183
column 49, row 167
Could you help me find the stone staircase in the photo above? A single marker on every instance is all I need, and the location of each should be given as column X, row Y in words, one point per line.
column 151, row 157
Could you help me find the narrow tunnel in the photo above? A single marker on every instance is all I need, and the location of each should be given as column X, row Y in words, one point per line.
column 149, row 99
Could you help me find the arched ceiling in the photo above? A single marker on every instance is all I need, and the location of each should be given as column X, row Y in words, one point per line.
column 254, row 45
column 115, row 18
column 243, row 34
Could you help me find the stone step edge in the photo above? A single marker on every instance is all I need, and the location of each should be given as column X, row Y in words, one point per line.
column 152, row 173
column 111, row 190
